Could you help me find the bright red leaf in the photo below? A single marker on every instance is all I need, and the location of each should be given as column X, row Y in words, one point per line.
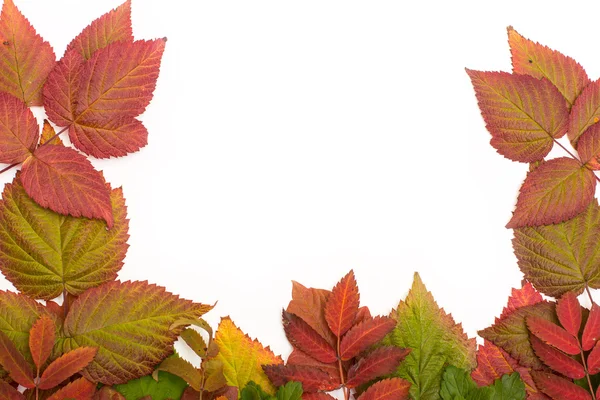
column 41, row 340
column 312, row 379
column 342, row 305
column 559, row 388
column 388, row 389
column 553, row 335
column 585, row 112
column 66, row 366
column 364, row 335
column 14, row 363
column 80, row 389
column 63, row 180
column 557, row 360
column 19, row 131
column 380, row 362
column 568, row 311
column 525, row 296
column 591, row 331
column 492, row 363
column 593, row 360
column 305, row 338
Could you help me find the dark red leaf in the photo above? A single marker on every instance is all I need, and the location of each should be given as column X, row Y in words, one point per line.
column 591, row 331
column 380, row 362
column 312, row 379
column 593, row 360
column 302, row 336
column 568, row 311
column 388, row 389
column 342, row 305
column 66, row 366
column 41, row 340
column 15, row 363
column 557, row 360
column 8, row 392
column 365, row 334
column 553, row 334
column 297, row 357
column 559, row 388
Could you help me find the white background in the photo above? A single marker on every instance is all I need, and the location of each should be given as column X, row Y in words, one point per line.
column 298, row 140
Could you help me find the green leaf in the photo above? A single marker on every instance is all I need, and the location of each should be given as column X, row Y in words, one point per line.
column 291, row 391
column 253, row 391
column 457, row 383
column 44, row 253
column 435, row 339
column 509, row 387
column 168, row 386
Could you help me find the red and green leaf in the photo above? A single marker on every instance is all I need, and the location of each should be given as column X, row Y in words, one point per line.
column 41, row 340
column 303, row 337
column 387, row 389
column 380, row 362
column 342, row 305
column 525, row 296
column 18, row 130
column 363, row 335
column 588, row 147
column 585, row 112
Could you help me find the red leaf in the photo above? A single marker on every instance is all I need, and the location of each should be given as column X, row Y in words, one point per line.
column 380, row 362
column 593, row 360
column 585, row 112
column 18, row 130
column 342, row 305
column 66, row 366
column 297, row 357
column 492, row 363
column 309, row 304
column 61, row 90
column 362, row 314
column 317, row 396
column 312, row 379
column 41, row 340
column 559, row 388
column 557, row 360
column 388, row 389
column 568, row 311
column 525, row 296
column 8, row 392
column 591, row 331
column 302, row 336
column 15, row 363
column 25, row 58
column 588, row 147
column 114, row 26
column 49, row 135
column 553, row 334
column 522, row 113
column 65, row 181
column 80, row 389
column 108, row 393
column 556, row 191
column 365, row 334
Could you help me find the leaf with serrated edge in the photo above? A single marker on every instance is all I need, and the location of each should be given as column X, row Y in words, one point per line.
column 41, row 340
column 593, row 360
column 49, row 135
column 126, row 315
column 363, row 335
column 557, row 360
column 297, row 357
column 80, row 389
column 388, row 389
column 591, row 331
column 65, row 181
column 585, row 112
column 492, row 363
column 563, row 257
column 435, row 339
column 44, row 253
column 182, row 368
column 537, row 60
column 525, row 296
column 381, row 361
column 305, row 338
column 8, row 392
column 312, row 379
column 61, row 90
column 66, row 366
column 309, row 304
column 568, row 311
column 342, row 305
column 18, row 130
column 522, row 113
column 588, row 147
column 242, row 357
column 25, row 58
column 195, row 341
column 114, row 26
column 167, row 387
column 555, row 192
column 15, row 363
column 559, row 388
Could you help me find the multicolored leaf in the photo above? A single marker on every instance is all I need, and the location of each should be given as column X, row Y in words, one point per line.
column 305, row 338
column 18, row 129
column 387, row 389
column 61, row 90
column 591, row 331
column 588, row 147
column 129, row 324
column 25, row 58
column 342, row 305
column 525, row 296
column 523, row 114
column 492, row 363
column 569, row 315
column 559, row 388
column 41, row 340
column 195, row 342
column 15, row 363
column 182, row 368
column 243, row 357
column 563, row 257
column 49, row 135
column 585, row 112
column 309, row 305
column 66, row 366
column 556, row 191
column 557, row 360
column 79, row 389
column 380, row 362
column 363, row 335
column 44, row 253
column 65, row 181
column 312, row 379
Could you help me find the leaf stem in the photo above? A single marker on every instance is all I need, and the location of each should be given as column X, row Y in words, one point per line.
column 585, row 368
column 587, row 288
column 567, row 150
column 341, row 369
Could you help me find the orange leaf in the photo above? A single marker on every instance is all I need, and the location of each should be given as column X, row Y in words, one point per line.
column 66, row 366
column 492, row 363
column 49, row 135
column 553, row 334
column 80, row 389
column 568, row 311
column 309, row 304
column 114, row 26
column 8, row 392
column 15, row 363
column 305, row 338
column 61, row 90
column 380, row 362
column 585, row 111
column 65, row 181
column 25, row 58
column 591, row 331
column 522, row 113
column 364, row 335
column 559, row 388
column 41, row 340
column 388, row 389
column 537, row 60
column 556, row 191
column 18, row 130
column 525, row 296
column 312, row 379
column 297, row 357
column 557, row 360
column 342, row 305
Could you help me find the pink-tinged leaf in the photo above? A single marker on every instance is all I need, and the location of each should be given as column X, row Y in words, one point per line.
column 309, row 304
column 312, row 379
column 593, row 360
column 19, row 131
column 80, row 389
column 591, row 331
column 381, row 361
column 305, row 338
column 342, row 305
column 388, row 389
column 556, row 191
column 537, row 60
column 553, row 335
column 65, row 181
column 66, row 366
column 41, row 340
column 14, row 362
column 8, row 392
column 588, row 147
column 557, row 360
column 25, row 58
column 585, row 112
column 568, row 311
column 297, row 357
column 364, row 335
column 61, row 90
column 559, row 388
column 49, row 135
column 492, row 363
column 114, row 26
column 522, row 113
column 525, row 296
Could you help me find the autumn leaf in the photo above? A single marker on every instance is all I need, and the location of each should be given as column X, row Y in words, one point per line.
column 525, row 296
column 25, row 58
column 18, row 129
column 41, row 340
column 12, row 360
column 45, row 253
column 312, row 379
column 66, row 366
column 585, row 112
column 168, row 386
column 182, row 368
column 65, row 181
column 243, row 357
column 435, row 339
column 297, row 357
column 591, row 331
column 569, row 313
column 557, row 360
column 129, row 323
column 302, row 336
column 523, row 114
column 559, row 388
column 309, row 305
column 79, row 389
column 61, row 90
column 539, row 61
column 7, row 392
column 342, row 305
column 555, row 192
column 363, row 335
column 195, row 342
column 562, row 257
column 49, row 135
column 380, row 362
column 387, row 389
column 593, row 361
